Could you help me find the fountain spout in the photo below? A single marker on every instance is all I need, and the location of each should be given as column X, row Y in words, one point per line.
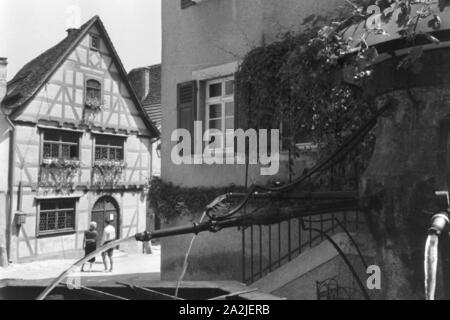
column 438, row 224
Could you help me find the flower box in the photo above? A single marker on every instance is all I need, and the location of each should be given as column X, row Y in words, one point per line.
column 94, row 104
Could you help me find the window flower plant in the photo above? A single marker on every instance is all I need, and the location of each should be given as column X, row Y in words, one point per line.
column 94, row 103
column 108, row 172
column 58, row 173
column 61, row 163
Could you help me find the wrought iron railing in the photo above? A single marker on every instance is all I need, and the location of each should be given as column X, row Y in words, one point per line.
column 264, row 250
column 267, row 248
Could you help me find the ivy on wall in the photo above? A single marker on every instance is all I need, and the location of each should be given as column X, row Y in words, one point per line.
column 170, row 202
column 312, row 84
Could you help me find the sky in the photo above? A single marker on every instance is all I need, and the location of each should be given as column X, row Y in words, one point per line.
column 29, row 27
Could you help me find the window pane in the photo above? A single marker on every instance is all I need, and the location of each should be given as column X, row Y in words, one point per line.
column 98, row 153
column 101, row 141
column 229, row 87
column 69, row 137
column 215, row 90
column 215, row 124
column 55, row 151
column 215, row 111
column 229, row 123
column 106, row 141
column 43, row 222
column 229, row 109
column 62, row 220
column 119, row 153
column 65, row 151
column 51, row 136
column 95, row 42
column 51, row 221
column 93, row 94
column 66, row 204
column 118, row 142
column 73, row 152
column 93, row 84
column 48, row 205
column 112, row 154
column 103, row 153
column 47, row 150
column 70, row 221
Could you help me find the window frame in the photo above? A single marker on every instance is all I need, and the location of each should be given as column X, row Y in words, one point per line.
column 109, row 146
column 60, row 144
column 59, row 209
column 93, row 38
column 86, row 87
column 223, row 99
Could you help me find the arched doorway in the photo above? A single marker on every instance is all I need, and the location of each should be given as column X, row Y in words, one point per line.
column 106, row 207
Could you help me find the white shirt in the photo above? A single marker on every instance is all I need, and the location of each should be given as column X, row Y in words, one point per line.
column 109, row 234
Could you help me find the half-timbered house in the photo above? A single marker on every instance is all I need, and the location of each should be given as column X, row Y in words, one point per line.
column 80, row 148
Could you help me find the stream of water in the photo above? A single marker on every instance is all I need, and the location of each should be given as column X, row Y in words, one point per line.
column 430, row 265
column 186, row 257
column 111, row 245
column 79, row 263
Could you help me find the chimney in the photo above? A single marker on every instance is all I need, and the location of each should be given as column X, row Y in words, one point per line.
column 70, row 31
column 140, row 81
column 3, row 82
column 155, row 81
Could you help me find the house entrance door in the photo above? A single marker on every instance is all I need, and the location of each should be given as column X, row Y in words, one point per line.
column 106, row 207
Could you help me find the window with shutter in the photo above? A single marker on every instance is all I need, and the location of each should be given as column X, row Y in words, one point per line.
column 220, row 111
column 187, row 107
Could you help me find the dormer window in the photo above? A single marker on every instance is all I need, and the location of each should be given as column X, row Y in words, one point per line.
column 95, row 42
column 93, row 94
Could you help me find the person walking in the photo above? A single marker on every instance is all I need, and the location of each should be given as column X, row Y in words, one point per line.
column 90, row 243
column 109, row 235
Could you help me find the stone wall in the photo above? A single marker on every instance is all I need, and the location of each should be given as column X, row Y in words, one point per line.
column 403, row 174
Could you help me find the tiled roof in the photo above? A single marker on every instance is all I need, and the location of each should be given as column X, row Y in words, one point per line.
column 33, row 75
column 29, row 80
column 155, row 113
column 147, row 85
column 154, row 96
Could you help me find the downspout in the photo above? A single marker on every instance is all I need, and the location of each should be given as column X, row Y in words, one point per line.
column 11, row 171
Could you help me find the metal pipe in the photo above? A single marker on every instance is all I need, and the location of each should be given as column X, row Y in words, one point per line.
column 267, row 217
column 438, row 223
column 11, row 171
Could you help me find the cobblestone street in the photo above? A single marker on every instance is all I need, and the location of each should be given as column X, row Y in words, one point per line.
column 125, row 264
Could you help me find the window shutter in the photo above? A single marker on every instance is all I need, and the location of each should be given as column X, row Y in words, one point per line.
column 186, row 3
column 187, row 107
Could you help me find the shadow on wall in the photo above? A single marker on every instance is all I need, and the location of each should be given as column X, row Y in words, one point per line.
column 211, row 267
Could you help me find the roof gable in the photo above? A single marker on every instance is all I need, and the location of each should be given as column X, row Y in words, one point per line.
column 34, row 75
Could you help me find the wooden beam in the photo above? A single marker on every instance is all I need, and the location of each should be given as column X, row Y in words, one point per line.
column 150, row 293
column 232, row 295
column 101, row 294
